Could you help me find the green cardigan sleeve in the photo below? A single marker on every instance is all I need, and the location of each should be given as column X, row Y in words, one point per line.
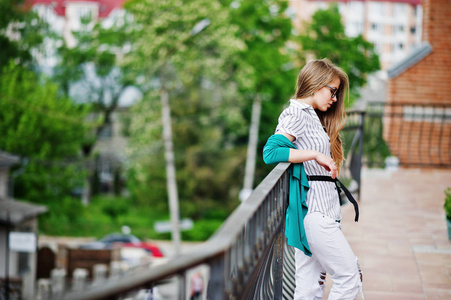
column 277, row 149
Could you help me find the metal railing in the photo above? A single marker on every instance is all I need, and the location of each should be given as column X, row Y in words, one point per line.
column 352, row 138
column 245, row 256
column 419, row 134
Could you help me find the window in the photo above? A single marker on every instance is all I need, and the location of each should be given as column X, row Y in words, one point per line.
column 399, row 47
column 83, row 12
column 400, row 9
column 359, row 26
column 376, row 27
column 377, row 48
column 23, row 266
column 376, row 8
column 356, row 7
column 416, row 11
column 398, row 29
column 354, row 29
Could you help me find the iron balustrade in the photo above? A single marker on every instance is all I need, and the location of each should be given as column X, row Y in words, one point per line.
column 419, row 134
column 352, row 138
column 245, row 256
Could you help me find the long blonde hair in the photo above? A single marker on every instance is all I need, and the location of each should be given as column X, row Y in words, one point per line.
column 313, row 76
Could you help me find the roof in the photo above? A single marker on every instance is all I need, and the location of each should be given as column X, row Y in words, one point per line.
column 16, row 212
column 412, row 2
column 8, row 160
column 417, row 55
column 59, row 6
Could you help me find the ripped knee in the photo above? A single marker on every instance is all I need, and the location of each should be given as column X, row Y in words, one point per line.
column 360, row 269
column 322, row 278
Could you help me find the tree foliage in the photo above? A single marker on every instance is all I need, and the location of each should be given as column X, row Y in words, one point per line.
column 325, row 36
column 21, row 32
column 266, row 30
column 90, row 71
column 43, row 127
column 187, row 49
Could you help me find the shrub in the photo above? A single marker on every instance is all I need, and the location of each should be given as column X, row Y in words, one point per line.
column 447, row 205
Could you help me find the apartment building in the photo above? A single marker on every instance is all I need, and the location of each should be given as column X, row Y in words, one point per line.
column 393, row 26
column 64, row 16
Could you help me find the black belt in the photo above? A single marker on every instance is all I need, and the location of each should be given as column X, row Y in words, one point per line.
column 339, row 188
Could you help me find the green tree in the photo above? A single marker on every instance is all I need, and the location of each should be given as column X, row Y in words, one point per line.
column 90, row 71
column 46, row 129
column 325, row 36
column 266, row 30
column 184, row 55
column 93, row 64
column 21, row 31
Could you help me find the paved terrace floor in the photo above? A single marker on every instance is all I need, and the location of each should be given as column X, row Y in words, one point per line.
column 401, row 239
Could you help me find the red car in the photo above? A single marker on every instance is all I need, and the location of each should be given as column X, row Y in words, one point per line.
column 124, row 240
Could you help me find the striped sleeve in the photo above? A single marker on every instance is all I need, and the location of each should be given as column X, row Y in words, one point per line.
column 292, row 121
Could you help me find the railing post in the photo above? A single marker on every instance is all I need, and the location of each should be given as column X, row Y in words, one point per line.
column 216, row 285
column 182, row 285
column 360, row 155
column 58, row 282
column 100, row 273
column 44, row 288
column 278, row 262
column 79, row 276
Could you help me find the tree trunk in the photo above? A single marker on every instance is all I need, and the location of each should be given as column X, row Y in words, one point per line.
column 86, row 196
column 251, row 149
column 170, row 168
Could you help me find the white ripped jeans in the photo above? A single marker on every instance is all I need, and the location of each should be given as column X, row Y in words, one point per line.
column 331, row 254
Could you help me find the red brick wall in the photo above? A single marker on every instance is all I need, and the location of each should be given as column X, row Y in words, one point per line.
column 418, row 142
column 429, row 81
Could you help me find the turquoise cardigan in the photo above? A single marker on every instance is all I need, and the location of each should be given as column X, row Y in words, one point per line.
column 277, row 149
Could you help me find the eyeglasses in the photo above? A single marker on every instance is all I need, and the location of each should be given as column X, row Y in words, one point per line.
column 333, row 91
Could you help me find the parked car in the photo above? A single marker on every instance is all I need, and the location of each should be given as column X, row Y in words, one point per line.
column 124, row 240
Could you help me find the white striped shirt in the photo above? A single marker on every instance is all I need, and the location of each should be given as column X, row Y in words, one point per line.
column 301, row 121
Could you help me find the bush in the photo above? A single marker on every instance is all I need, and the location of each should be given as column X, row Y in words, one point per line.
column 114, row 207
column 202, row 230
column 375, row 149
column 447, row 205
column 107, row 214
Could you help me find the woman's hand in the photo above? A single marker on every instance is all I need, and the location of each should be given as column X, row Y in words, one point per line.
column 327, row 163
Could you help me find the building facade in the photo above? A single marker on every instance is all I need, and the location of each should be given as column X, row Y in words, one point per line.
column 65, row 17
column 418, row 89
column 393, row 26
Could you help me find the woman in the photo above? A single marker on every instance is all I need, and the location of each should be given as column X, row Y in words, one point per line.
column 308, row 133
